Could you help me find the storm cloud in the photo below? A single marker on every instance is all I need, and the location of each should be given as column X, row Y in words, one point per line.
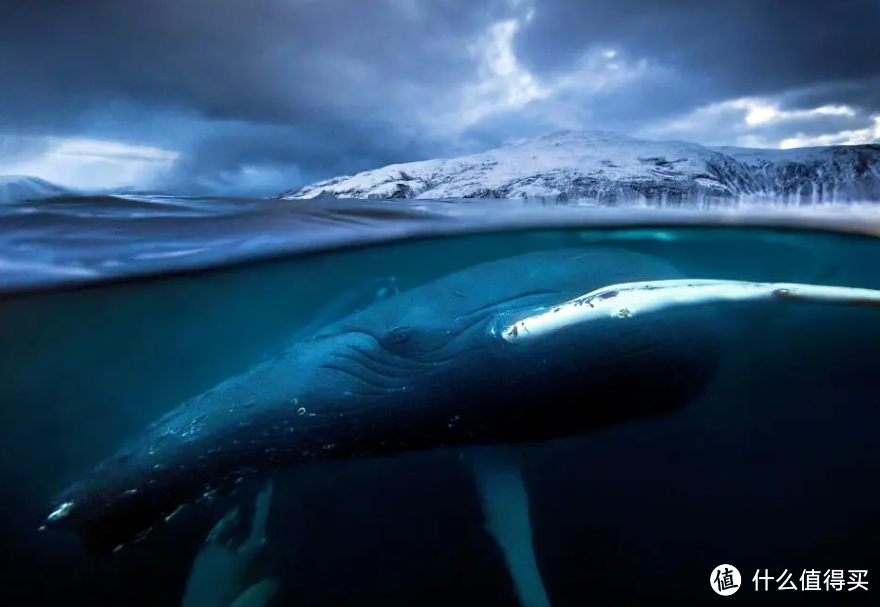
column 262, row 95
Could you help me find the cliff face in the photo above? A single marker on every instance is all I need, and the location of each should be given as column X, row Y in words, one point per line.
column 836, row 173
column 607, row 167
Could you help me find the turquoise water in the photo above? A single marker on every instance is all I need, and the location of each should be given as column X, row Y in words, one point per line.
column 773, row 467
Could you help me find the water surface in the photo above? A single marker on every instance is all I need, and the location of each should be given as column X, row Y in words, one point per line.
column 116, row 310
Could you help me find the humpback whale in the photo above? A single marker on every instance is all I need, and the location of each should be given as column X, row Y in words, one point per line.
column 217, row 573
column 216, row 576
column 538, row 346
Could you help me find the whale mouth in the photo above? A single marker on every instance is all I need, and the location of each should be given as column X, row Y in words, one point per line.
column 635, row 299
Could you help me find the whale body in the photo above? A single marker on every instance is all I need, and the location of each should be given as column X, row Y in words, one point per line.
column 439, row 365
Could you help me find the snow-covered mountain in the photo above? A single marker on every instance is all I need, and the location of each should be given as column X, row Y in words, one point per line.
column 19, row 188
column 571, row 165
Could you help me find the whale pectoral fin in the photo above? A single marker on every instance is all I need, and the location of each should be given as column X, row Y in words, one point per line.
column 219, row 567
column 628, row 300
column 220, row 531
column 505, row 505
column 257, row 595
column 257, row 537
column 102, row 537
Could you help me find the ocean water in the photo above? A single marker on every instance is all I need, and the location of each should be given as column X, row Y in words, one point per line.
column 113, row 311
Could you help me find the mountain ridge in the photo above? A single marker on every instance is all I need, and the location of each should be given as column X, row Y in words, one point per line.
column 608, row 167
column 20, row 188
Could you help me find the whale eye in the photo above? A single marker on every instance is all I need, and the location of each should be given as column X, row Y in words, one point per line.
column 405, row 341
column 414, row 342
column 398, row 335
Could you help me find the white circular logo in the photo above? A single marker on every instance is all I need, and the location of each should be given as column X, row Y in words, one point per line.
column 725, row 580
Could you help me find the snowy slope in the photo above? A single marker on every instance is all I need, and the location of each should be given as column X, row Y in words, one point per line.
column 838, row 173
column 18, row 188
column 605, row 166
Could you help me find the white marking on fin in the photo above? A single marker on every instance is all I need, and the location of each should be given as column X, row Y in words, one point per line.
column 627, row 300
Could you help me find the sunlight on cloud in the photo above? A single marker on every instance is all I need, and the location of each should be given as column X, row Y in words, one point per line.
column 505, row 85
column 754, row 122
column 870, row 134
column 96, row 164
column 753, row 112
column 600, row 70
column 760, row 112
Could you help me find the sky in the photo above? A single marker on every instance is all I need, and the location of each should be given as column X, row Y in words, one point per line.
column 260, row 96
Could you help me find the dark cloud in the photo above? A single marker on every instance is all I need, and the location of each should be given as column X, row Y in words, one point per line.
column 19, row 149
column 810, row 127
column 243, row 157
column 260, row 94
column 863, row 94
column 721, row 48
column 284, row 66
column 258, row 60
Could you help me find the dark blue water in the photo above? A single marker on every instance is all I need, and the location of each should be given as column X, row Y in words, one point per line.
column 117, row 310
